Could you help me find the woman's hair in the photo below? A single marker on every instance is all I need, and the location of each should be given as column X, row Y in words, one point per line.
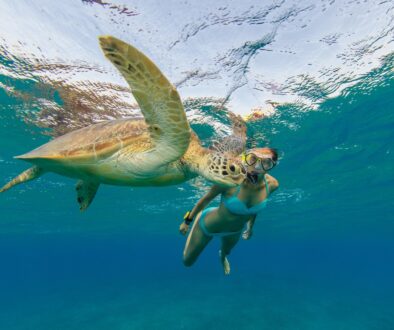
column 274, row 154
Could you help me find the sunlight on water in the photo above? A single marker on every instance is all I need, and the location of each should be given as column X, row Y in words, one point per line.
column 50, row 88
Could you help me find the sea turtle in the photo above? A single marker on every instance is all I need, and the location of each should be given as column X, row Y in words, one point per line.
column 160, row 150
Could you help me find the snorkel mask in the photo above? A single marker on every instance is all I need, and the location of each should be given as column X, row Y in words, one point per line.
column 264, row 164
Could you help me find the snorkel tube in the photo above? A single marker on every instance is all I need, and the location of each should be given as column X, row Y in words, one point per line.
column 253, row 177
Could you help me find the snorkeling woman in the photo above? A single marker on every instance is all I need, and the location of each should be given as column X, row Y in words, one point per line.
column 238, row 208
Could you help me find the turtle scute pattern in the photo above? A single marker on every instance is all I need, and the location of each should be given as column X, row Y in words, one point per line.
column 95, row 142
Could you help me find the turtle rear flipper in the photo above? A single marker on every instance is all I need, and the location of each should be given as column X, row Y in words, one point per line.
column 86, row 190
column 28, row 175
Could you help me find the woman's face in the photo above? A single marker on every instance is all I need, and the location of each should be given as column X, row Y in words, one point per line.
column 259, row 160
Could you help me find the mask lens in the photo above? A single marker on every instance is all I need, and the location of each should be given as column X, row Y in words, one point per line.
column 251, row 159
column 267, row 163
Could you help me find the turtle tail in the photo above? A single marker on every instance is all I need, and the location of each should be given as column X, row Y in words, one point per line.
column 30, row 174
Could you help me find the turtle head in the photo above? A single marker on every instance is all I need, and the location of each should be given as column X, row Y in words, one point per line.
column 223, row 169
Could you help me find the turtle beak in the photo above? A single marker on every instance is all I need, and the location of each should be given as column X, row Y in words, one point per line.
column 239, row 179
column 229, row 180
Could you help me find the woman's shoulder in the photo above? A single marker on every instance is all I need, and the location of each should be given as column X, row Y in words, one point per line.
column 272, row 182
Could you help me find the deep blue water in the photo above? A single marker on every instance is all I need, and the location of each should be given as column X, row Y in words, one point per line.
column 322, row 255
column 123, row 281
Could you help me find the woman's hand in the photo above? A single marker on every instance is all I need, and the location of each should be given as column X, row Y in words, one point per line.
column 201, row 204
column 183, row 228
column 247, row 234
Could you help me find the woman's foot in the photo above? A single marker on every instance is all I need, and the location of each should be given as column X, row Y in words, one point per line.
column 225, row 263
column 247, row 234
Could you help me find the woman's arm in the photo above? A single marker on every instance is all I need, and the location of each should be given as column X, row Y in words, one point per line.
column 273, row 185
column 205, row 200
column 200, row 205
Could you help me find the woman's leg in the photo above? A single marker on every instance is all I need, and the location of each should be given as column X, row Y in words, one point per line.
column 195, row 243
column 228, row 242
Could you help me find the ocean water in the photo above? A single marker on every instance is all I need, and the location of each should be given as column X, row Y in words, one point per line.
column 322, row 254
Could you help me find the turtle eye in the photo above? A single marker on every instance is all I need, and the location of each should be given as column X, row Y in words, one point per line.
column 234, row 169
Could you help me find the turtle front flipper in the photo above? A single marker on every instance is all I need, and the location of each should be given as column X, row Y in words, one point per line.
column 159, row 102
column 86, row 190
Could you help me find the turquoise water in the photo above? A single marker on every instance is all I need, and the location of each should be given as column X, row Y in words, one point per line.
column 322, row 255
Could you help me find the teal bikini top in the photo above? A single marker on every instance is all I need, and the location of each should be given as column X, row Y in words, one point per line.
column 236, row 206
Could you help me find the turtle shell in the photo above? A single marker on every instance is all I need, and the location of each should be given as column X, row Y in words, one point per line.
column 95, row 142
